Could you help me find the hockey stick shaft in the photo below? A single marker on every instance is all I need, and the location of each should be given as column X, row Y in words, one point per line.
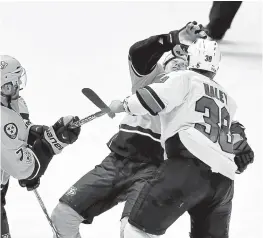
column 88, row 119
column 46, row 213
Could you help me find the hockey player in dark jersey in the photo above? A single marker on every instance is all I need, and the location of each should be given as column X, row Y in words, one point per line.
column 136, row 151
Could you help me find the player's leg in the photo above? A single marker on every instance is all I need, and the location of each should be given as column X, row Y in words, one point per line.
column 135, row 183
column 179, row 184
column 211, row 217
column 131, row 231
column 4, row 222
column 66, row 221
column 78, row 204
column 221, row 16
column 132, row 188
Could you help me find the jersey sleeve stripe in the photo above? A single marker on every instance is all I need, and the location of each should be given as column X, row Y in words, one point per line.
column 156, row 97
column 150, row 100
column 136, row 72
column 142, row 97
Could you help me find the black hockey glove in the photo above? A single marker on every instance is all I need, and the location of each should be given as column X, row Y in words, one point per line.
column 181, row 39
column 29, row 184
column 60, row 134
column 35, row 132
column 242, row 150
column 64, row 133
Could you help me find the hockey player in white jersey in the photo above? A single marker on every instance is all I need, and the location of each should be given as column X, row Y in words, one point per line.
column 26, row 149
column 136, row 151
column 197, row 175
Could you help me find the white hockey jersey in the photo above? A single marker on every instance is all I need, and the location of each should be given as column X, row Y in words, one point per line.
column 17, row 159
column 198, row 109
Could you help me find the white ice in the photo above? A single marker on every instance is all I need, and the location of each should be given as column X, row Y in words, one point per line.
column 67, row 46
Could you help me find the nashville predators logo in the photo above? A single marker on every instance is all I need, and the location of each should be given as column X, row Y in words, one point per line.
column 11, row 130
column 72, row 191
column 3, row 65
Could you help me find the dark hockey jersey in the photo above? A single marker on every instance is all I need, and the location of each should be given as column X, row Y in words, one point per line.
column 139, row 136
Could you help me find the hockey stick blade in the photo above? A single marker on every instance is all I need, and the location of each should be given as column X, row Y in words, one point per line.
column 89, row 118
column 93, row 97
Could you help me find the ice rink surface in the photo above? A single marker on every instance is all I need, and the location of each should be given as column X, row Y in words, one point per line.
column 67, row 46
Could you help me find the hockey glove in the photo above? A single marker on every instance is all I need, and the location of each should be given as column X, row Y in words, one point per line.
column 29, row 184
column 181, row 39
column 244, row 154
column 60, row 134
column 35, row 132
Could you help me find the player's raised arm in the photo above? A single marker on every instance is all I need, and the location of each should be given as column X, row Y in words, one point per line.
column 144, row 55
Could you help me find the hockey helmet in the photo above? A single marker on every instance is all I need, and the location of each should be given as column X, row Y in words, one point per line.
column 12, row 72
column 205, row 55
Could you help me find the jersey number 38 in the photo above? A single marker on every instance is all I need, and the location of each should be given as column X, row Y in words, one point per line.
column 216, row 133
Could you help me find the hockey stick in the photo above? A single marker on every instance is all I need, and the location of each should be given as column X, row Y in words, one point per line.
column 93, row 97
column 46, row 213
column 89, row 118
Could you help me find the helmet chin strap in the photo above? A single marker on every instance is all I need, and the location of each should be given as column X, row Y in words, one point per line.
column 7, row 99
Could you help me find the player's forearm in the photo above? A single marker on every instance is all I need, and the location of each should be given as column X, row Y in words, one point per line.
column 145, row 54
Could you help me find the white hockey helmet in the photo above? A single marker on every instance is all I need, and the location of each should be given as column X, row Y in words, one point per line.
column 204, row 54
column 12, row 72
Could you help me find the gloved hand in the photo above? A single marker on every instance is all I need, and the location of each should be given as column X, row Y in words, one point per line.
column 60, row 134
column 29, row 184
column 242, row 150
column 35, row 132
column 244, row 159
column 181, row 39
column 63, row 131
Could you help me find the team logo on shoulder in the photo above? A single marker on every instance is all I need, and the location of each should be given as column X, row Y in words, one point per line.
column 3, row 64
column 72, row 191
column 11, row 130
